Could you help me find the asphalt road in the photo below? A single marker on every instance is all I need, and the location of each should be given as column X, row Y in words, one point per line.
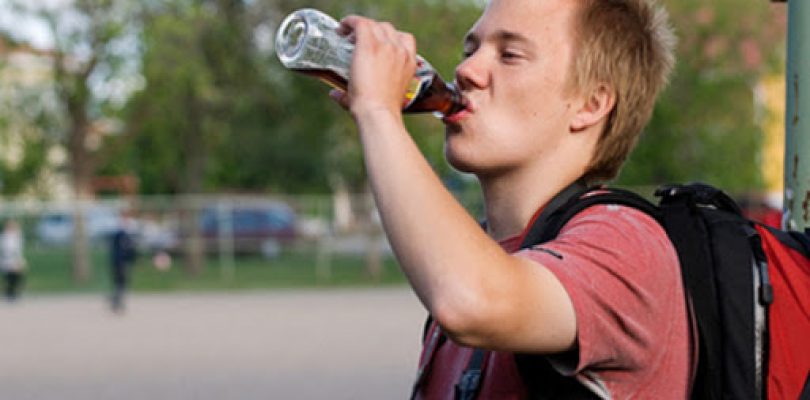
column 336, row 344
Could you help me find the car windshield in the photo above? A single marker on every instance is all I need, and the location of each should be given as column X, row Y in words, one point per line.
column 280, row 220
column 56, row 218
column 250, row 219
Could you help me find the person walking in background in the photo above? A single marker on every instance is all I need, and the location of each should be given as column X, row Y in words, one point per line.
column 123, row 253
column 12, row 260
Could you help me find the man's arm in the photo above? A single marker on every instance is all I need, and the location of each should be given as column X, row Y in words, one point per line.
column 479, row 294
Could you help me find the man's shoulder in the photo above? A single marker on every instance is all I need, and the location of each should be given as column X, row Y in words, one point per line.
column 617, row 238
column 613, row 219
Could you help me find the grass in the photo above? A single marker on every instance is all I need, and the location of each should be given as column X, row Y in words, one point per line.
column 49, row 272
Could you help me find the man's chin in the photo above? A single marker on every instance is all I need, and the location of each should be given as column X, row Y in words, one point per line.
column 458, row 163
column 452, row 129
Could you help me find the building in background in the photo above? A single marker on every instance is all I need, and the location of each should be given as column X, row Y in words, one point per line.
column 770, row 105
column 771, row 95
column 26, row 95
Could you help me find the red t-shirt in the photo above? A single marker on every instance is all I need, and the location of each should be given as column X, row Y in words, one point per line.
column 633, row 341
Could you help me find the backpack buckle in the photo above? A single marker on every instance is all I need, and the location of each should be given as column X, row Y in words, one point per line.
column 468, row 385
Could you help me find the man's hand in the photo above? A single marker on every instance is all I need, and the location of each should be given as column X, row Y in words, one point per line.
column 383, row 65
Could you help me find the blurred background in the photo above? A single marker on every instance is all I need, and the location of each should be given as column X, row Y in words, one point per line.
column 246, row 193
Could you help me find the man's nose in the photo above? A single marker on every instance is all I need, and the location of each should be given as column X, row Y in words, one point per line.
column 472, row 73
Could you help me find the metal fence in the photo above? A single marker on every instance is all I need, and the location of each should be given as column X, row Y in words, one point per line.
column 219, row 230
column 321, row 233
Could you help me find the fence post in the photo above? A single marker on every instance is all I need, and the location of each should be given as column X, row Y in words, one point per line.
column 797, row 117
column 225, row 239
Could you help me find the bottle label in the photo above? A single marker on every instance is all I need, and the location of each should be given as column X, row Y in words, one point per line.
column 420, row 82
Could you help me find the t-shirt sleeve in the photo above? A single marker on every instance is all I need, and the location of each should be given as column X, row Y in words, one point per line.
column 620, row 271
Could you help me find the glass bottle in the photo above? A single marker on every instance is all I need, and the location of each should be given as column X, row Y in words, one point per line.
column 308, row 42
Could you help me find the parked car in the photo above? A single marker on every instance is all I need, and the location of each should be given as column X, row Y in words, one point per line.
column 56, row 227
column 256, row 228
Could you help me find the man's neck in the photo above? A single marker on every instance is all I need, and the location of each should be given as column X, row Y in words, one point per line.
column 512, row 199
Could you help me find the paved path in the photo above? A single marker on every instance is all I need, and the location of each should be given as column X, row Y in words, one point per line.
column 340, row 344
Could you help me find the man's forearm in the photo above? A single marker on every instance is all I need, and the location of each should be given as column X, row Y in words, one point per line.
column 441, row 249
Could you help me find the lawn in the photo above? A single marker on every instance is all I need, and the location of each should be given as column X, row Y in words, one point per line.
column 49, row 271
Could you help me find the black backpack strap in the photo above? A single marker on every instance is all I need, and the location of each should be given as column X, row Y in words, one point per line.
column 426, row 327
column 690, row 236
column 470, row 381
column 432, row 344
column 564, row 206
column 558, row 203
column 545, row 229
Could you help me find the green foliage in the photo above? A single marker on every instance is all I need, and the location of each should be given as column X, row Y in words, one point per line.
column 705, row 126
column 210, row 90
column 29, row 126
column 166, row 115
column 15, row 176
column 217, row 111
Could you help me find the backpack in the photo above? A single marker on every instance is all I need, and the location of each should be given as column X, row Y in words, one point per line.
column 747, row 287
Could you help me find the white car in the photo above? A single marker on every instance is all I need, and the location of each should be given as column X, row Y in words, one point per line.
column 56, row 227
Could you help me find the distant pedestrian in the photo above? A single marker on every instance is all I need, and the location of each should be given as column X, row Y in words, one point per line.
column 12, row 260
column 123, row 253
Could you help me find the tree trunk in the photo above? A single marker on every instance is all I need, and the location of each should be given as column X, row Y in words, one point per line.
column 193, row 246
column 82, row 266
column 82, row 169
column 192, row 184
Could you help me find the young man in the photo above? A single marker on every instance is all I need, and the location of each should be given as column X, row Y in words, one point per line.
column 123, row 252
column 558, row 91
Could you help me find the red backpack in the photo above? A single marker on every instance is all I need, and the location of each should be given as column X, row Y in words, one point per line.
column 748, row 285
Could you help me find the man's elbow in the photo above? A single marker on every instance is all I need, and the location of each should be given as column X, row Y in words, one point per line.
column 467, row 320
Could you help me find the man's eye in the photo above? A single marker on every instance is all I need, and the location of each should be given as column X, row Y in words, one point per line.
column 512, row 57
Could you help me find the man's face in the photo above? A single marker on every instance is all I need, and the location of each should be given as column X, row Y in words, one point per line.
column 518, row 57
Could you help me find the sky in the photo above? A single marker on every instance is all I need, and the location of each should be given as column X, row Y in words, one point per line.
column 27, row 29
column 34, row 31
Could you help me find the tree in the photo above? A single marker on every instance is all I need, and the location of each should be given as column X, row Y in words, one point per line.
column 90, row 49
column 267, row 118
column 705, row 126
column 26, row 120
column 218, row 111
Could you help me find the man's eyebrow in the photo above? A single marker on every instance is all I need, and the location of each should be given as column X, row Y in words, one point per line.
column 509, row 36
column 501, row 36
column 470, row 37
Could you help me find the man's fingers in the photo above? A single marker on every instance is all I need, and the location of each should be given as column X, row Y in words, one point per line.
column 367, row 31
column 348, row 24
column 354, row 26
column 389, row 31
column 408, row 41
column 340, row 97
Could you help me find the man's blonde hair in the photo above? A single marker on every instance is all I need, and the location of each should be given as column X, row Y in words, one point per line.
column 629, row 45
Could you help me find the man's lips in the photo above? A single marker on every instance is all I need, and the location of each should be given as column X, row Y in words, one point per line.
column 461, row 114
column 457, row 117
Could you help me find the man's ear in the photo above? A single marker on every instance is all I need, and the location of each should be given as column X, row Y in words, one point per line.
column 596, row 106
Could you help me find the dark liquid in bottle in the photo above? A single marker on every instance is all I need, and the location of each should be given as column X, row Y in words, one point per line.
column 438, row 96
column 329, row 77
